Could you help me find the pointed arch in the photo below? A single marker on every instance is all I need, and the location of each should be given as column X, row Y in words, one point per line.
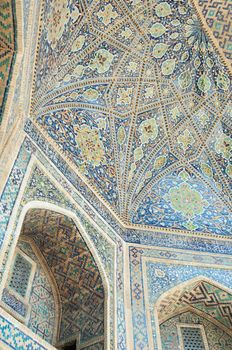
column 67, row 213
column 170, row 300
column 52, row 282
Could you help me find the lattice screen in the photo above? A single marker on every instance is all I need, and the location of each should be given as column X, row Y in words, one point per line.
column 20, row 275
column 192, row 338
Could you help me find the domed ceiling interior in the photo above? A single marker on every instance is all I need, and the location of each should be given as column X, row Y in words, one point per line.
column 135, row 95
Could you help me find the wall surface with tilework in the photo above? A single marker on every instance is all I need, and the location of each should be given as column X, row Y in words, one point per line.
column 38, row 312
column 124, row 134
column 215, row 336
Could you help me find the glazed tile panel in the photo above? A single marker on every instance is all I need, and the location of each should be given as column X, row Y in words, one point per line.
column 218, row 17
column 154, row 272
column 38, row 311
column 216, row 337
column 132, row 94
column 13, row 336
column 38, row 187
column 8, row 48
column 75, row 271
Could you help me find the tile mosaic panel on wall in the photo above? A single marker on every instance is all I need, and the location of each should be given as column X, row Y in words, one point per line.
column 40, row 188
column 154, row 272
column 38, row 310
column 42, row 313
column 216, row 337
column 16, row 337
column 75, row 271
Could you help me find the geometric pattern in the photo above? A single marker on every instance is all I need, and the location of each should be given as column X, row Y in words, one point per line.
column 75, row 271
column 166, row 271
column 138, row 105
column 217, row 15
column 96, row 346
column 20, row 275
column 13, row 303
column 42, row 312
column 202, row 296
column 7, row 48
column 215, row 337
column 16, row 338
column 38, row 312
column 192, row 338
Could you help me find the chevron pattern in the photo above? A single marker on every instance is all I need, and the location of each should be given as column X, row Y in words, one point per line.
column 7, row 48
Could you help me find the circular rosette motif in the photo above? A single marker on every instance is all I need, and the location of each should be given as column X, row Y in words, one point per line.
column 148, row 130
column 102, row 61
column 186, row 200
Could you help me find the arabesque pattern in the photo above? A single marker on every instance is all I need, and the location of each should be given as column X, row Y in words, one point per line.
column 136, row 98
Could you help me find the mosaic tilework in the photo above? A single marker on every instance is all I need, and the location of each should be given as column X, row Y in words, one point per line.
column 14, row 303
column 16, row 338
column 128, row 103
column 42, row 312
column 40, row 188
column 188, row 203
column 218, row 17
column 161, row 276
column 135, row 236
column 38, row 310
column 75, row 271
column 216, row 337
column 129, row 235
column 96, row 346
column 202, row 296
column 8, row 48
column 10, row 193
column 20, row 275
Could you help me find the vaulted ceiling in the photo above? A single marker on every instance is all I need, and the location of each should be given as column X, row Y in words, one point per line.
column 75, row 272
column 136, row 96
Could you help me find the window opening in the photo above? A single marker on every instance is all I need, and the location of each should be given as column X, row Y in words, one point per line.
column 20, row 275
column 192, row 338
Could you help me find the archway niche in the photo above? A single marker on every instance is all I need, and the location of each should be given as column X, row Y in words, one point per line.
column 56, row 283
column 195, row 316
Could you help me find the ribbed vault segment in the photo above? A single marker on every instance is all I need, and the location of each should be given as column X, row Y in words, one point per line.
column 136, row 95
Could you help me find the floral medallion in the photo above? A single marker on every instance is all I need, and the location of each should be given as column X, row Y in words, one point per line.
column 186, row 200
